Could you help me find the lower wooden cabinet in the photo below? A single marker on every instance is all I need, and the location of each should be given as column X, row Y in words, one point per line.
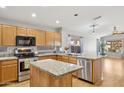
column 8, row 71
column 72, row 60
column 59, row 58
column 48, row 57
column 43, row 57
column 53, row 57
column 0, row 75
column 64, row 58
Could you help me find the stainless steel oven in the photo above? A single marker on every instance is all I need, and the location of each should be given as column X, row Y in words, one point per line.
column 25, row 56
column 24, row 68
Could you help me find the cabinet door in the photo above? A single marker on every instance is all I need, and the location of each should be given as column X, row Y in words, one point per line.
column 65, row 58
column 72, row 60
column 0, row 34
column 49, row 38
column 0, row 76
column 8, row 35
column 40, row 38
column 44, row 57
column 57, row 37
column 31, row 32
column 21, row 31
column 59, row 57
column 53, row 57
column 9, row 73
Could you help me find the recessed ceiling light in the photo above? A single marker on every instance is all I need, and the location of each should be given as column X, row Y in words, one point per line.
column 3, row 6
column 57, row 22
column 34, row 15
column 75, row 14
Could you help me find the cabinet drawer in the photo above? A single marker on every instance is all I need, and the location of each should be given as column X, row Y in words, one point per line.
column 73, row 60
column 8, row 62
column 53, row 57
column 64, row 60
column 44, row 57
column 65, row 57
column 59, row 57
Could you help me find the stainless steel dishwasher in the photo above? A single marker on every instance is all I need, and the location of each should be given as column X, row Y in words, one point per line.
column 86, row 72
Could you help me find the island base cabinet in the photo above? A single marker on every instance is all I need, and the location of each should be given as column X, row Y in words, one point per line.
column 43, row 79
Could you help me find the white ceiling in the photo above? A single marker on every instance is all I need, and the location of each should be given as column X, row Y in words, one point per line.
column 65, row 14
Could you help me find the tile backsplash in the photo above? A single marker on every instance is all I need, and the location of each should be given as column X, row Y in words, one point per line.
column 9, row 50
column 3, row 49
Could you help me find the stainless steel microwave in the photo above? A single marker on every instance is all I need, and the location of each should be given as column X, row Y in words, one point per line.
column 25, row 41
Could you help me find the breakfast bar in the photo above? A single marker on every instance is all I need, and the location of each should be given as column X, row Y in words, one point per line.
column 52, row 73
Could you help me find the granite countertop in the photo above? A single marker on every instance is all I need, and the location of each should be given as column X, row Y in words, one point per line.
column 56, row 68
column 89, row 56
column 86, row 56
column 7, row 58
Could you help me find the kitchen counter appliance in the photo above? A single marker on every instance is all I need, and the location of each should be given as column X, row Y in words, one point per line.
column 25, row 56
column 86, row 72
column 25, row 41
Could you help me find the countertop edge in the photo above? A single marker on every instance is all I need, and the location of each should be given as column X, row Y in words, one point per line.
column 54, row 74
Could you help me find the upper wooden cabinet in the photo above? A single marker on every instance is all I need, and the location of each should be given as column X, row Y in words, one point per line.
column 21, row 31
column 8, row 35
column 39, row 35
column 50, row 39
column 31, row 32
column 57, row 38
column 0, row 34
column 40, row 38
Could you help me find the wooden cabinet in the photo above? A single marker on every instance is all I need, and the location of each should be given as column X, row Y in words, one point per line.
column 57, row 38
column 40, row 38
column 0, row 34
column 8, row 35
column 49, row 38
column 53, row 57
column 0, row 76
column 64, row 58
column 48, row 57
column 59, row 57
column 72, row 60
column 21, row 31
column 8, row 71
column 43, row 57
column 39, row 35
column 31, row 32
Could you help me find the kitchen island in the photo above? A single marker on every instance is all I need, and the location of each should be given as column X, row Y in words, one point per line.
column 92, row 64
column 52, row 73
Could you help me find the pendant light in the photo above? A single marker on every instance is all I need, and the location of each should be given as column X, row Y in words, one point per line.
column 115, row 30
column 94, row 24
